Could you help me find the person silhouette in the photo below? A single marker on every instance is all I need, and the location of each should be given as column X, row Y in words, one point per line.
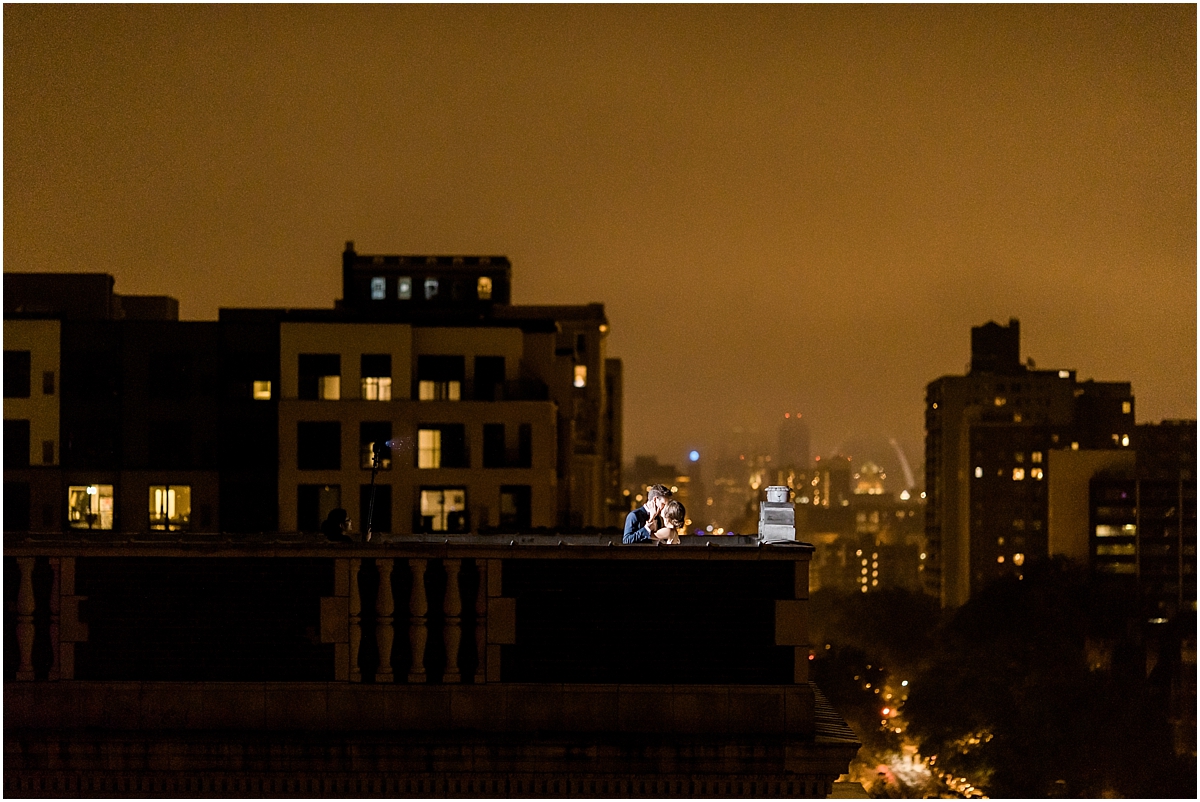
column 337, row 525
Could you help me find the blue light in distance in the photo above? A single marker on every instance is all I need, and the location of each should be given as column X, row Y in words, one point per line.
column 694, row 456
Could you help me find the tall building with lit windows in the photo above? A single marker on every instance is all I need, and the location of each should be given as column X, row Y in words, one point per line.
column 494, row 416
column 988, row 442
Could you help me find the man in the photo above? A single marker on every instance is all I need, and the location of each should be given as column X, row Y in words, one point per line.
column 640, row 525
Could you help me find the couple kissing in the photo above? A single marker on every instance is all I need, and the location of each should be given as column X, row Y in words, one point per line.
column 660, row 519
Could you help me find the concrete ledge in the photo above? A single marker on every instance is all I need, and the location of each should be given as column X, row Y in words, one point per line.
column 779, row 710
column 239, row 763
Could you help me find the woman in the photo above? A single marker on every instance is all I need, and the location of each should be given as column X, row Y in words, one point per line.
column 674, row 517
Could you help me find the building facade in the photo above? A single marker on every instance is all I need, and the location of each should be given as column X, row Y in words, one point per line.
column 484, row 415
column 988, row 439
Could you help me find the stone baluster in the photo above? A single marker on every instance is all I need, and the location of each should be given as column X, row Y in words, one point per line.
column 384, row 629
column 355, row 620
column 25, row 618
column 55, row 608
column 418, row 631
column 481, row 621
column 452, row 629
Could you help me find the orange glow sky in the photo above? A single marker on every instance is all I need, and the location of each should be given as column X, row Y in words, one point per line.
column 783, row 208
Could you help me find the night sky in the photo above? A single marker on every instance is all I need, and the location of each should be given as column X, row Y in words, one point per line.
column 797, row 209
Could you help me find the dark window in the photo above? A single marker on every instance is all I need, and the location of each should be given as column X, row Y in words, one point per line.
column 169, row 375
column 489, row 378
column 169, row 444
column 313, row 505
column 16, row 374
column 493, row 445
column 313, row 369
column 515, row 506
column 373, row 435
column 16, row 506
column 16, row 444
column 319, row 445
column 47, row 452
column 48, row 382
column 524, row 446
column 381, row 519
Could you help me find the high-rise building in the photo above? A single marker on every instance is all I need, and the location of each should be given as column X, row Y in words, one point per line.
column 1133, row 521
column 794, row 442
column 988, row 439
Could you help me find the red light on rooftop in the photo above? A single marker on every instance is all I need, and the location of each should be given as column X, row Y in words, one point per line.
column 787, row 414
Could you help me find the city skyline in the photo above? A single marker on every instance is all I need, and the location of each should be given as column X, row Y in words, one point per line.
column 775, row 222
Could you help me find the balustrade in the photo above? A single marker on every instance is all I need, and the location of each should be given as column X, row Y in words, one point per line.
column 471, row 615
column 418, row 627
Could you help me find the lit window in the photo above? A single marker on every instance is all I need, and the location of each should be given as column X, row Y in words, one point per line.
column 378, row 288
column 90, row 506
column 429, row 448
column 170, row 507
column 1117, row 568
column 935, row 404
column 484, row 288
column 1036, row 457
column 1064, row 374
column 444, row 510
column 874, row 582
column 1126, row 407
column 1125, row 440
column 1116, row 549
column 1018, row 559
column 1116, row 530
column 329, row 388
column 874, row 573
column 377, row 388
column 1074, row 446
column 999, row 541
column 1036, row 473
column 1000, row 559
column 581, row 375
column 439, row 391
column 404, row 288
column 1018, row 474
column 262, row 391
column 431, row 288
column 1000, row 401
column 978, row 472
column 1019, row 456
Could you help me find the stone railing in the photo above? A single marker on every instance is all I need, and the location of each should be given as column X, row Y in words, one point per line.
column 447, row 611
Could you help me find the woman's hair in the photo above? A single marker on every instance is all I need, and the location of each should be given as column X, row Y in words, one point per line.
column 674, row 514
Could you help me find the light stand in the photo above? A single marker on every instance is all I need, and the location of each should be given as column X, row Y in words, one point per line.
column 376, row 450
